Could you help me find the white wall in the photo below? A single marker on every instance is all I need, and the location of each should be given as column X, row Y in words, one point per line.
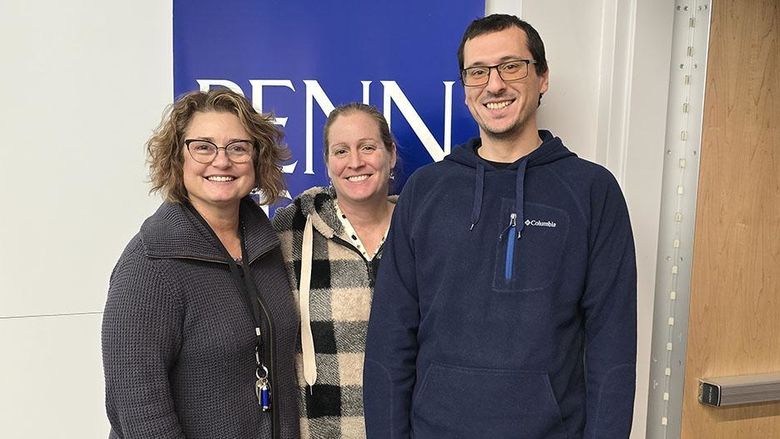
column 84, row 84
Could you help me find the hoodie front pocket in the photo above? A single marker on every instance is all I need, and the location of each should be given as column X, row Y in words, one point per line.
column 466, row 402
column 529, row 250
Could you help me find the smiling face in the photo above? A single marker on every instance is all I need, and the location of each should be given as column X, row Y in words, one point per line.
column 220, row 184
column 358, row 162
column 503, row 110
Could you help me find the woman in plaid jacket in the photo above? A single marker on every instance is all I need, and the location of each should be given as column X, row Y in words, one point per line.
column 332, row 241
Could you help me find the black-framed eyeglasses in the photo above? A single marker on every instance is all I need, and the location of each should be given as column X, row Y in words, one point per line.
column 509, row 71
column 204, row 151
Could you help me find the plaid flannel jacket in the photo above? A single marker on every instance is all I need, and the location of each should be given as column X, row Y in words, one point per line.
column 340, row 300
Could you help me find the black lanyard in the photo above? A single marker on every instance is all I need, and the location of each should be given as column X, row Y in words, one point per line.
column 243, row 278
column 246, row 285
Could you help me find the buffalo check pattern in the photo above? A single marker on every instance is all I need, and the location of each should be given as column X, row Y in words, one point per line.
column 340, row 300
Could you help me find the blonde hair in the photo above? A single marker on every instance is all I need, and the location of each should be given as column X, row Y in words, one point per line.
column 165, row 147
column 357, row 107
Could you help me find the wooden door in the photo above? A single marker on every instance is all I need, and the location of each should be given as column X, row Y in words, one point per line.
column 734, row 325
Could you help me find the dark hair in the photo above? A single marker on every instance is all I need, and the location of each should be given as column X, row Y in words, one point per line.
column 498, row 22
column 357, row 107
column 166, row 146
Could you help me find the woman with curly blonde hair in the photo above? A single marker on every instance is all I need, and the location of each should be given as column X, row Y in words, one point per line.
column 200, row 326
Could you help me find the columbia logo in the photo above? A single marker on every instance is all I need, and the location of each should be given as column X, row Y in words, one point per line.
column 540, row 223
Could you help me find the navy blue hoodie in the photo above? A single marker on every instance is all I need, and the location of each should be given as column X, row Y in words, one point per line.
column 505, row 305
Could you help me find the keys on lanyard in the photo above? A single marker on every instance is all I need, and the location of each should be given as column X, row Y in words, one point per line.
column 263, row 391
column 262, row 386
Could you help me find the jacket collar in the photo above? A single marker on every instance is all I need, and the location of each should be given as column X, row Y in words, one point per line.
column 176, row 231
column 319, row 202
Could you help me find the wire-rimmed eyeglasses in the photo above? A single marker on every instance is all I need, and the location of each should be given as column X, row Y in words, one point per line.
column 204, row 151
column 509, row 71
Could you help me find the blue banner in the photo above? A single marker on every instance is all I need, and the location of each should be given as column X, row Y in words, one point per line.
column 299, row 59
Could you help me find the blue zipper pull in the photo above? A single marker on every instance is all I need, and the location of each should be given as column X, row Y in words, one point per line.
column 510, row 246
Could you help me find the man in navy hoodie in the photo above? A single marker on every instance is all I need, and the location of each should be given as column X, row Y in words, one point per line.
column 505, row 305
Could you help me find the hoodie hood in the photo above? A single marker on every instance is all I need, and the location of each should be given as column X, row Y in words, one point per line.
column 317, row 203
column 551, row 150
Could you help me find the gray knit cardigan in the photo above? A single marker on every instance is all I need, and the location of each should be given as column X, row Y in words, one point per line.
column 178, row 339
column 342, row 284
